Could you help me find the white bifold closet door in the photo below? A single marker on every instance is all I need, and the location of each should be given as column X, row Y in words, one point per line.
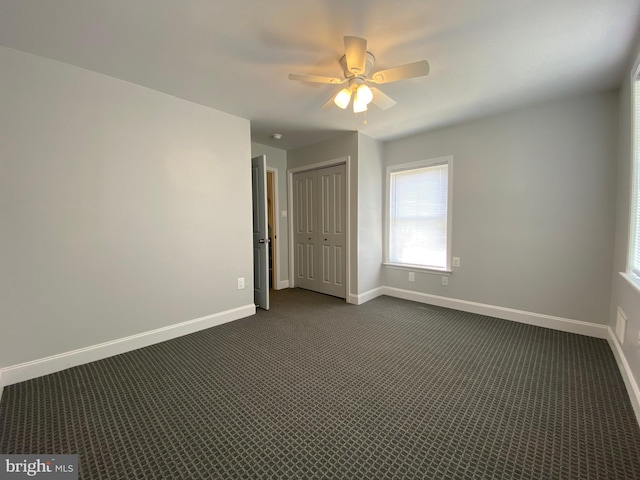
column 320, row 230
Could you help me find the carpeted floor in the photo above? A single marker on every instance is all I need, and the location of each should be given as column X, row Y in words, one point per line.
column 318, row 389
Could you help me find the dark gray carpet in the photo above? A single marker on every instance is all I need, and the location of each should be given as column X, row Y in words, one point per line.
column 317, row 389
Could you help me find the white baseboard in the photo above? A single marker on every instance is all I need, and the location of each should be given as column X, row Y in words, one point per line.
column 366, row 296
column 281, row 285
column 625, row 371
column 531, row 318
column 56, row 363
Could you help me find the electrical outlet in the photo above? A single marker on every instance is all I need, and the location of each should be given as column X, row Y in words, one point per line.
column 240, row 283
column 456, row 261
column 445, row 281
column 412, row 276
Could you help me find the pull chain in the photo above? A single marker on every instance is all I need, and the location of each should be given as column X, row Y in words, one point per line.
column 364, row 120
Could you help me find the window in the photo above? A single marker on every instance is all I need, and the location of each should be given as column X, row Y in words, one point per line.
column 633, row 267
column 419, row 211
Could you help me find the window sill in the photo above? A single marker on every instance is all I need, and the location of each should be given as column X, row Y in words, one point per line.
column 404, row 266
column 632, row 280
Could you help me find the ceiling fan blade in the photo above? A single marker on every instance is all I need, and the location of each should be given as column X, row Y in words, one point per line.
column 381, row 99
column 410, row 70
column 355, row 50
column 315, row 79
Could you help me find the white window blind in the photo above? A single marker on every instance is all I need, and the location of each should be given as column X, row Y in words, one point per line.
column 634, row 244
column 418, row 212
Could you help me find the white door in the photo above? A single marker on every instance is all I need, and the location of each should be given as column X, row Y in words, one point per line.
column 260, row 234
column 320, row 230
column 305, row 231
column 332, row 230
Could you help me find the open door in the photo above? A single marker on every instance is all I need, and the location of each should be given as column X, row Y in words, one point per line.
column 260, row 233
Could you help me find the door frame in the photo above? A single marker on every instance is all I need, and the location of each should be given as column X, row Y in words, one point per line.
column 315, row 166
column 276, row 233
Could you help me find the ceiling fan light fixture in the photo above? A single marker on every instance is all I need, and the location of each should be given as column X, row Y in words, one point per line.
column 359, row 107
column 364, row 95
column 343, row 98
column 358, row 69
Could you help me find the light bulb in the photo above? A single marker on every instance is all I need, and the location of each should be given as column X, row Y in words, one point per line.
column 364, row 95
column 359, row 107
column 343, row 98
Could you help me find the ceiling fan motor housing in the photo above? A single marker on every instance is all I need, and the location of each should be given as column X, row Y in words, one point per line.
column 368, row 66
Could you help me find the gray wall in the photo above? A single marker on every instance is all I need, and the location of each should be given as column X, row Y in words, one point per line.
column 533, row 207
column 370, row 209
column 346, row 145
column 277, row 158
column 122, row 210
column 624, row 295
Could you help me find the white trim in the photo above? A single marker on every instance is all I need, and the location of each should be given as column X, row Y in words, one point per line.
column 446, row 160
column 62, row 361
column 408, row 266
column 521, row 316
column 635, row 74
column 625, row 371
column 283, row 284
column 292, row 278
column 315, row 166
column 631, row 280
column 37, row 368
column 366, row 296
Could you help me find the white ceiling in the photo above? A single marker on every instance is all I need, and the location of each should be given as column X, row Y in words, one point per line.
column 485, row 56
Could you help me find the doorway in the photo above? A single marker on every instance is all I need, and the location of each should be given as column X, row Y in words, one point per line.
column 272, row 227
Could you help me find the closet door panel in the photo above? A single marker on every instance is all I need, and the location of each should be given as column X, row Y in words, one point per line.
column 305, row 230
column 332, row 236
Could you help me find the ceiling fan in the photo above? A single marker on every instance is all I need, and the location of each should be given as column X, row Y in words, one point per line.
column 357, row 65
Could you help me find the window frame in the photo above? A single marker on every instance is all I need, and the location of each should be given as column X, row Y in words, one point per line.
column 448, row 160
column 634, row 198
